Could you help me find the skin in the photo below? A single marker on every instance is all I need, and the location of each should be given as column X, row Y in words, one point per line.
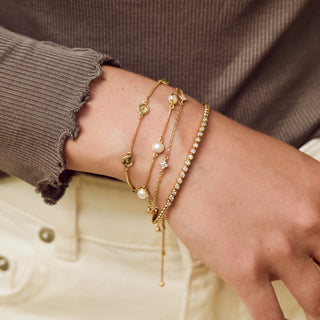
column 249, row 208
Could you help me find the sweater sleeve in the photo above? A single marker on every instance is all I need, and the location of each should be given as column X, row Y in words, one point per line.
column 42, row 87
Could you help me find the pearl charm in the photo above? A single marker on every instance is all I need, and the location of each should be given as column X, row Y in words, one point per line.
column 173, row 99
column 157, row 147
column 142, row 193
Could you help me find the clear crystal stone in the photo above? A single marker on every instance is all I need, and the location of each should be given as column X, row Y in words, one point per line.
column 195, row 145
column 185, row 169
column 198, row 139
column 193, row 151
column 174, row 192
column 164, row 164
column 177, row 186
column 179, row 180
column 202, row 128
column 171, row 198
column 190, row 156
column 200, row 134
column 182, row 174
column 188, row 162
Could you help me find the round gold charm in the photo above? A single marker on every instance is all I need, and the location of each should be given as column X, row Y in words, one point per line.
column 127, row 161
column 143, row 109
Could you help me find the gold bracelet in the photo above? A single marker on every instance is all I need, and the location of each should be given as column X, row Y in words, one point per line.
column 152, row 207
column 143, row 109
column 158, row 147
column 158, row 217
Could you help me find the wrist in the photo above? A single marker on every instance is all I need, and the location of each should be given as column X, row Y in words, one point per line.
column 108, row 121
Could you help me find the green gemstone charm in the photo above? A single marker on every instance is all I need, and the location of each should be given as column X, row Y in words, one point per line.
column 127, row 161
column 143, row 109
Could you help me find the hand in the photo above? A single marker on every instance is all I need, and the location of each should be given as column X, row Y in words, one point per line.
column 249, row 207
column 250, row 210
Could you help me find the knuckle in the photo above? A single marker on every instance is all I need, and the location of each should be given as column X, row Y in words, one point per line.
column 248, row 268
column 306, row 215
column 279, row 245
column 308, row 221
column 286, row 249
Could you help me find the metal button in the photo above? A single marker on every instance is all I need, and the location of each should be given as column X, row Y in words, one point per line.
column 4, row 264
column 46, row 235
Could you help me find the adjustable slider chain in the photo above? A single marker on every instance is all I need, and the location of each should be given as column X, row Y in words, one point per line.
column 152, row 207
column 158, row 217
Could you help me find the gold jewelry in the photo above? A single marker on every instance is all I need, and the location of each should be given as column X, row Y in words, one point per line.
column 158, row 218
column 152, row 204
column 152, row 208
column 159, row 215
column 158, row 147
column 143, row 109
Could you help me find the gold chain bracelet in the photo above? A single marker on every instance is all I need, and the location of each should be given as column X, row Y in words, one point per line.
column 152, row 208
column 143, row 109
column 158, row 217
column 158, row 146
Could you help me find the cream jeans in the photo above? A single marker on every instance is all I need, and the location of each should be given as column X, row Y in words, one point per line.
column 95, row 255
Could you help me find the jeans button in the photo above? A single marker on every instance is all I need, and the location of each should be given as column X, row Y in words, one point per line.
column 46, row 235
column 4, row 263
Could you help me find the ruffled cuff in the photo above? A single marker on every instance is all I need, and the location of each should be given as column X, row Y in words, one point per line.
column 43, row 87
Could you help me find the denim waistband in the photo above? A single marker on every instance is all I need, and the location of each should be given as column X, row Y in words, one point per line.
column 94, row 208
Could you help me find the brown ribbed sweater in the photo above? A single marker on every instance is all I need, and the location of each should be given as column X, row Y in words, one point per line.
column 256, row 61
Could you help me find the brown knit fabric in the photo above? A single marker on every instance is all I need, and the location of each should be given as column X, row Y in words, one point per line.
column 42, row 88
column 256, row 61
